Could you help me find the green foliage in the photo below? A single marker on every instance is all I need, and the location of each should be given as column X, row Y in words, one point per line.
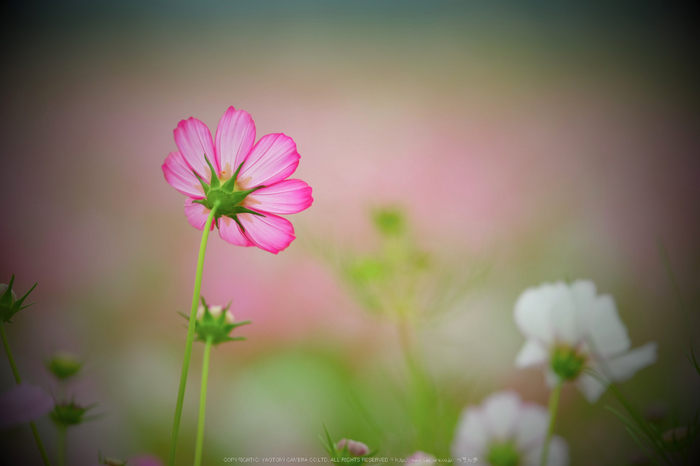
column 663, row 444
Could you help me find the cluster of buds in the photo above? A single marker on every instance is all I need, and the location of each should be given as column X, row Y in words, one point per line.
column 215, row 323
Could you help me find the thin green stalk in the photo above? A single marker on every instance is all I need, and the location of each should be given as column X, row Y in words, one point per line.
column 202, row 404
column 190, row 335
column 553, row 405
column 421, row 395
column 61, row 440
column 6, row 344
column 18, row 379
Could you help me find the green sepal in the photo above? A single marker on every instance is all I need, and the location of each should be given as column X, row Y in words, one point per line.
column 214, row 183
column 238, row 222
column 230, row 184
column 216, row 329
column 204, row 184
column 239, row 209
column 69, row 414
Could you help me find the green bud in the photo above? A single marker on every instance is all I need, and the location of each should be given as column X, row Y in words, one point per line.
column 567, row 362
column 68, row 414
column 64, row 365
column 215, row 323
column 9, row 304
column 367, row 269
column 390, row 221
column 503, row 454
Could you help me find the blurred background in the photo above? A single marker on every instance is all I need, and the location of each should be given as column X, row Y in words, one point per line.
column 517, row 143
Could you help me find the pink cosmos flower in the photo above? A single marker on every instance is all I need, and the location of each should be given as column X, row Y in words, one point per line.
column 247, row 179
column 23, row 403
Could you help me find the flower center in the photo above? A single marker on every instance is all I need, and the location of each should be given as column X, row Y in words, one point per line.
column 225, row 192
column 568, row 362
column 503, row 454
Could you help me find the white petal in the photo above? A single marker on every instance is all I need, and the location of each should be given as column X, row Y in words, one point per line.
column 606, row 331
column 471, row 436
column 565, row 316
column 625, row 366
column 531, row 354
column 532, row 313
column 531, row 427
column 501, row 412
column 590, row 387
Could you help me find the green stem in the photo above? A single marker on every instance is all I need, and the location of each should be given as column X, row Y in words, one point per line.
column 553, row 405
column 61, row 441
column 202, row 404
column 190, row 335
column 18, row 379
column 6, row 344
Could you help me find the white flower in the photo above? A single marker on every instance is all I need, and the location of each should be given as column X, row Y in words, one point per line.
column 504, row 431
column 215, row 312
column 569, row 328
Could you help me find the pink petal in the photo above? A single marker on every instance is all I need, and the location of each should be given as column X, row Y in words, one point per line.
column 235, row 137
column 179, row 175
column 273, row 159
column 271, row 233
column 193, row 138
column 197, row 214
column 23, row 403
column 231, row 232
column 284, row 197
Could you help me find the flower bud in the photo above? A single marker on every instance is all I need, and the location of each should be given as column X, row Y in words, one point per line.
column 389, row 221
column 64, row 365
column 675, row 435
column 677, row 439
column 354, row 447
column 215, row 323
column 9, row 304
column 215, row 312
column 68, row 414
